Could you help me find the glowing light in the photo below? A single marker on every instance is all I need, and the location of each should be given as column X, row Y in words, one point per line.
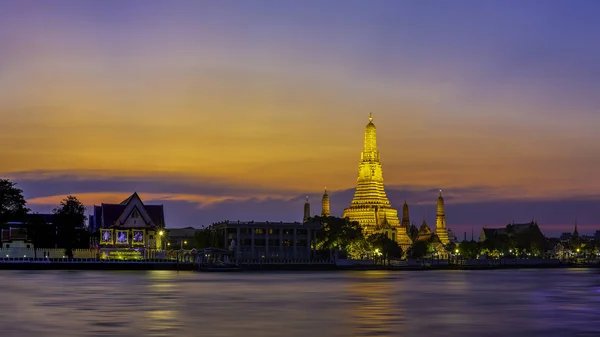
column 161, row 233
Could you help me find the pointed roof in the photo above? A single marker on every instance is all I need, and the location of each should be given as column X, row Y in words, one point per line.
column 126, row 201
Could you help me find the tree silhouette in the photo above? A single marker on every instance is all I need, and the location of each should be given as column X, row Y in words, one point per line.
column 12, row 202
column 70, row 215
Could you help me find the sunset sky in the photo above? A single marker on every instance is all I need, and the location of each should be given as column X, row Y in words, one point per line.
column 239, row 109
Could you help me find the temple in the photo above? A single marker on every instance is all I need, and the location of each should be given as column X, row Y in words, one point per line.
column 325, row 209
column 370, row 206
column 440, row 221
column 129, row 229
column 306, row 210
column 405, row 217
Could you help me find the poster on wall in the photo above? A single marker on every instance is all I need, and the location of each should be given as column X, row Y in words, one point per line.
column 122, row 237
column 138, row 237
column 106, row 236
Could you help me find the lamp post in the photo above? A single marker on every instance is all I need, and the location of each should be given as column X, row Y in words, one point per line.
column 161, row 234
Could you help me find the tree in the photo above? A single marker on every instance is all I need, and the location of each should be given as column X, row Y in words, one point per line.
column 469, row 249
column 338, row 233
column 206, row 238
column 419, row 249
column 12, row 202
column 70, row 215
column 386, row 246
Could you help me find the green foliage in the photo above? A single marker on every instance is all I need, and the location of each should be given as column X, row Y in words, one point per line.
column 386, row 246
column 469, row 249
column 12, row 202
column 206, row 238
column 70, row 215
column 338, row 233
column 420, row 249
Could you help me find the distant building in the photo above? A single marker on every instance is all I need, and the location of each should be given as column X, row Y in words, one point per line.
column 15, row 234
column 597, row 236
column 181, row 237
column 510, row 229
column 129, row 225
column 268, row 240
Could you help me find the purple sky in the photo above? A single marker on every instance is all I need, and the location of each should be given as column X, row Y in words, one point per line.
column 237, row 110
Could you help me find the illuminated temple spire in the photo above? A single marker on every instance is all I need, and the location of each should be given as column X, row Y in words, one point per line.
column 370, row 204
column 440, row 221
column 325, row 210
column 306, row 210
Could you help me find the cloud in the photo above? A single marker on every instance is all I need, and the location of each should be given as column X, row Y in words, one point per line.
column 196, row 203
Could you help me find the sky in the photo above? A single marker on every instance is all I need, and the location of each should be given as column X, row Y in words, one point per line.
column 239, row 109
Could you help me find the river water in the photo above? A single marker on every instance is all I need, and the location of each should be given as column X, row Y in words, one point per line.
column 425, row 304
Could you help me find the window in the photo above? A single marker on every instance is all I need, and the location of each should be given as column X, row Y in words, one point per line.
column 7, row 245
column 28, row 246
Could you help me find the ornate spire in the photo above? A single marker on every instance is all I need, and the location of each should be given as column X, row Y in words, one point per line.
column 306, row 210
column 325, row 208
column 370, row 117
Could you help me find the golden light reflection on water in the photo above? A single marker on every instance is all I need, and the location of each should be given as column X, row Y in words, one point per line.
column 545, row 303
column 373, row 304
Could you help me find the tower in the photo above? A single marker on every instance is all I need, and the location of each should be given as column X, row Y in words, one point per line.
column 405, row 217
column 440, row 221
column 370, row 204
column 306, row 210
column 325, row 210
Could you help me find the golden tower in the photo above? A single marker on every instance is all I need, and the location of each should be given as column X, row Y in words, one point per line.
column 440, row 221
column 306, row 210
column 370, row 206
column 325, row 210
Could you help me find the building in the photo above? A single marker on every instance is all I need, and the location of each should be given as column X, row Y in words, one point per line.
column 268, row 240
column 306, row 210
column 325, row 206
column 440, row 221
column 15, row 232
column 128, row 228
column 510, row 230
column 370, row 205
column 180, row 238
column 405, row 217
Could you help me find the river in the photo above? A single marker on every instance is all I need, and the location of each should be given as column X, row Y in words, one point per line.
column 309, row 304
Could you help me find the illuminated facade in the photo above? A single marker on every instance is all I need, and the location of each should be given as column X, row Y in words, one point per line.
column 370, row 206
column 129, row 228
column 325, row 209
column 440, row 221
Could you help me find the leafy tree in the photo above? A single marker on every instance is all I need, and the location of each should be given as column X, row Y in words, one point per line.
column 338, row 233
column 469, row 249
column 386, row 246
column 12, row 202
column 419, row 249
column 206, row 238
column 70, row 215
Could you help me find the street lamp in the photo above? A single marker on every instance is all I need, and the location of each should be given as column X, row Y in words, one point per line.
column 184, row 242
column 161, row 234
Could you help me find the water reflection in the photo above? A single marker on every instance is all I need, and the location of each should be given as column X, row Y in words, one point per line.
column 438, row 303
column 372, row 304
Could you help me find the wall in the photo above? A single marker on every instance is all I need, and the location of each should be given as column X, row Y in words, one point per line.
column 55, row 253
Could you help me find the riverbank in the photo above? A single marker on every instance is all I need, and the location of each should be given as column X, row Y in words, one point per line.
column 39, row 265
